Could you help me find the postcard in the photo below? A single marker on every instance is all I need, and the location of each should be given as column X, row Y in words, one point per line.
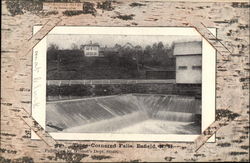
column 124, row 81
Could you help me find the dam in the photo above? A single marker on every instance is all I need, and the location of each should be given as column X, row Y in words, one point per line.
column 127, row 113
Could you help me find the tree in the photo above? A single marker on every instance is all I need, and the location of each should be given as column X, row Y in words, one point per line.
column 160, row 45
column 138, row 47
column 138, row 52
column 74, row 46
column 52, row 52
column 148, row 49
column 117, row 46
column 166, row 46
column 53, row 47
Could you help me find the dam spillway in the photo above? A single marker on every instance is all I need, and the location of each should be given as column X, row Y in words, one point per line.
column 119, row 113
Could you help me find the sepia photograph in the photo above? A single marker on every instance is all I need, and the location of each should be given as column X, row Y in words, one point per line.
column 124, row 84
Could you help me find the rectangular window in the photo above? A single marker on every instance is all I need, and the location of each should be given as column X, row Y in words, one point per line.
column 182, row 67
column 196, row 67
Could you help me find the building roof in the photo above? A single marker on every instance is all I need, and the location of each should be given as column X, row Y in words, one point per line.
column 95, row 44
column 91, row 44
column 128, row 45
column 188, row 48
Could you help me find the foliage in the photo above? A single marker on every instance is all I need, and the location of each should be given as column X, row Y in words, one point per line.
column 117, row 62
column 53, row 51
column 74, row 46
column 53, row 47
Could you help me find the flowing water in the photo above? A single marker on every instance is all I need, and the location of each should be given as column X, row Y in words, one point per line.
column 111, row 114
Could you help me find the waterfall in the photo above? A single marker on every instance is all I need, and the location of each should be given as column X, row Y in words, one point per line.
column 174, row 116
column 121, row 110
column 171, row 107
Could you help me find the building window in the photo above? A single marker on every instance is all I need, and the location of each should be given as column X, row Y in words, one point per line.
column 196, row 67
column 182, row 67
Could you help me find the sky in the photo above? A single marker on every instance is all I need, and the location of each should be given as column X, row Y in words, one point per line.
column 66, row 41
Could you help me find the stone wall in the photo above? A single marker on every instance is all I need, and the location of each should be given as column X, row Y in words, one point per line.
column 232, row 82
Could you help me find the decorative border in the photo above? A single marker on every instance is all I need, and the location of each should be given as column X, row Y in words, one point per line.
column 32, row 42
column 208, row 82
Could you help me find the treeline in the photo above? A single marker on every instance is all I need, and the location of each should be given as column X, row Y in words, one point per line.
column 117, row 62
column 156, row 55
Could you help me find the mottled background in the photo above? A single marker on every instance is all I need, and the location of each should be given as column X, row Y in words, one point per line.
column 232, row 90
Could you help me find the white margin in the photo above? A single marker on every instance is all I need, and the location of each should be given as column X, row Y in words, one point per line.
column 39, row 82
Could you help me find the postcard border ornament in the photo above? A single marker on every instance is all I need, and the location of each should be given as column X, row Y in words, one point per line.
column 193, row 147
